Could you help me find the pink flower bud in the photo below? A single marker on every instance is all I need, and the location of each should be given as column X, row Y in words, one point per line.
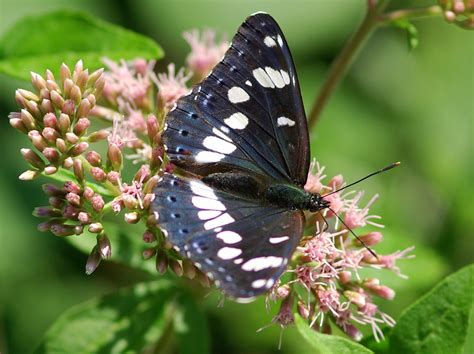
column 27, row 119
column 52, row 155
column 78, row 68
column 370, row 239
column 152, row 126
column 50, row 170
column 94, row 158
column 37, row 81
column 345, row 277
column 143, row 173
column 61, row 145
column 46, row 212
column 78, row 170
column 149, row 252
column 68, row 107
column 72, row 138
column 49, row 75
column 18, row 125
column 32, row 158
column 189, row 270
column 93, row 261
column 161, row 262
column 73, row 199
column 88, row 193
column 45, row 226
column 57, row 99
column 131, row 218
column 117, row 205
column 51, row 189
column 95, row 228
column 176, row 267
column 67, row 163
column 113, row 177
column 64, row 72
column 81, row 126
column 84, row 218
column 98, row 174
column 94, row 77
column 79, row 148
column 353, row 332
column 148, row 199
column 46, row 106
column 97, row 202
column 82, row 78
column 50, row 134
column 66, row 230
column 115, row 156
column 130, row 201
column 45, row 95
column 56, row 202
column 70, row 212
column 92, row 100
column 37, row 140
column 336, row 182
column 148, row 237
column 52, row 85
column 72, row 187
column 76, row 96
column 150, row 184
column 28, row 95
column 98, row 136
column 303, row 310
column 355, row 297
column 50, row 120
column 383, row 291
column 64, row 122
column 84, row 108
column 33, row 107
column 104, row 245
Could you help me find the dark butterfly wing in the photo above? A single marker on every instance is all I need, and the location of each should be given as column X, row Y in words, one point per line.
column 242, row 244
column 247, row 114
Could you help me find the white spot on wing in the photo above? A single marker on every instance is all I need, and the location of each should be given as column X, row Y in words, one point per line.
column 280, row 40
column 207, row 204
column 237, row 95
column 237, row 121
column 229, row 237
column 208, row 156
column 208, row 214
column 275, row 76
column 275, row 240
column 259, row 283
column 202, row 190
column 222, row 220
column 248, row 83
column 225, row 129
column 238, row 260
column 281, row 121
column 269, row 41
column 228, row 252
column 262, row 77
column 285, row 76
column 218, row 144
column 221, row 134
column 259, row 263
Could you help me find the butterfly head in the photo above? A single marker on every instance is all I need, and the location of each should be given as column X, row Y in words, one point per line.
column 316, row 203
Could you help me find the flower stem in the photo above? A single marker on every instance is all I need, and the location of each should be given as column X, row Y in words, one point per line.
column 340, row 65
column 373, row 18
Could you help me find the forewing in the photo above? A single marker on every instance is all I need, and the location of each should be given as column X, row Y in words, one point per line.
column 243, row 245
column 247, row 114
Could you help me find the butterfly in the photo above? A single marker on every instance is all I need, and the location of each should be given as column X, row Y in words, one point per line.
column 241, row 137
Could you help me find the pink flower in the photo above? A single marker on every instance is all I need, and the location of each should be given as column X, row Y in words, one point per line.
column 355, row 217
column 205, row 53
column 315, row 176
column 171, row 86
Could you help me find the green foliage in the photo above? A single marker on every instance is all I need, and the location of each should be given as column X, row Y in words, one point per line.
column 411, row 31
column 37, row 43
column 139, row 317
column 328, row 344
column 438, row 322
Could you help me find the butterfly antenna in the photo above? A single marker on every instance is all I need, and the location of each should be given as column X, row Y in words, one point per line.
column 389, row 167
column 353, row 233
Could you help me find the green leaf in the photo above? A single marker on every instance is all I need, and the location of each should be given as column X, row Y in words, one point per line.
column 438, row 322
column 127, row 244
column 411, row 31
column 191, row 328
column 130, row 320
column 36, row 43
column 328, row 344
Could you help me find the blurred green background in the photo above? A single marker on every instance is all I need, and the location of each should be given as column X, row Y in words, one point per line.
column 395, row 104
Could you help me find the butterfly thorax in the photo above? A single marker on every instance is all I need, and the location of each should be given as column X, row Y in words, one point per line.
column 295, row 197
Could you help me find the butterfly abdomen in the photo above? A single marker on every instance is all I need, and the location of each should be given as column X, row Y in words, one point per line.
column 288, row 196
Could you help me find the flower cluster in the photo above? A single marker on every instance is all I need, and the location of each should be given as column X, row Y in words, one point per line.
column 326, row 280
column 459, row 12
column 84, row 128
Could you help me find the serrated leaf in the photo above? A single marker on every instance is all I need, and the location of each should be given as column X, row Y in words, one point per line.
column 191, row 327
column 37, row 43
column 127, row 245
column 438, row 322
column 327, row 344
column 130, row 320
